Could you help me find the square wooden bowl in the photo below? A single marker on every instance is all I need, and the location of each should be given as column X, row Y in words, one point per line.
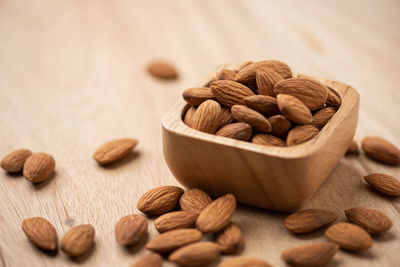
column 276, row 178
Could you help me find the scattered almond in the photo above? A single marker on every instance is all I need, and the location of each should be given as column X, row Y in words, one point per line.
column 130, row 229
column 257, row 120
column 189, row 115
column 114, row 150
column 194, row 200
column 40, row 232
column 78, row 240
column 230, row 93
column 230, row 239
column 267, row 140
column 308, row 220
column 323, row 116
column 266, row 105
column 374, row 221
column 159, row 200
column 149, row 260
column 162, row 70
column 384, row 183
column 301, row 134
column 381, row 150
column 207, row 117
column 38, row 167
column 315, row 254
column 173, row 239
column 197, row 254
column 175, row 220
column 14, row 161
column 280, row 125
column 247, row 74
column 266, row 79
column 294, row 109
column 353, row 148
column 237, row 130
column 197, row 95
column 243, row 262
column 349, row 236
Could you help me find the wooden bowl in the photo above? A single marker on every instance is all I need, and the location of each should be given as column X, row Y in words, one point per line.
column 276, row 178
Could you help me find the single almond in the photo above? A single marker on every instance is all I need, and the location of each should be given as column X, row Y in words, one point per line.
column 266, row 105
column 149, row 260
column 40, row 232
column 197, row 95
column 353, row 148
column 217, row 214
column 332, row 99
column 243, row 262
column 381, row 150
column 267, row 140
column 315, row 254
column 14, row 161
column 207, row 117
column 266, row 79
column 301, row 134
column 78, row 240
column 247, row 74
column 311, row 92
column 244, row 64
column 189, row 115
column 254, row 118
column 114, row 150
column 230, row 239
column 226, row 74
column 237, row 130
column 349, row 236
column 226, row 117
column 230, row 93
column 194, row 200
column 294, row 109
column 38, row 167
column 374, row 221
column 309, row 220
column 159, row 200
column 384, row 183
column 280, row 126
column 162, row 70
column 197, row 254
column 175, row 220
column 130, row 229
column 322, row 117
column 173, row 239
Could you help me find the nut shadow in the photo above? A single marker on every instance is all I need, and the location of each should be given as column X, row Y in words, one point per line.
column 137, row 247
column 81, row 259
column 40, row 185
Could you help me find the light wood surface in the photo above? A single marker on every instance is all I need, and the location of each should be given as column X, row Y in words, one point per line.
column 72, row 76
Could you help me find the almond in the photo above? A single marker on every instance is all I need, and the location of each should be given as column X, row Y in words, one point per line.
column 175, row 220
column 197, row 254
column 217, row 214
column 197, row 95
column 322, row 117
column 237, row 130
column 114, row 150
column 301, row 134
column 384, row 183
column 174, row 239
column 78, row 240
column 130, row 229
column 226, row 74
column 280, row 125
column 189, row 115
column 162, row 70
column 244, row 64
column 353, row 148
column 247, row 74
column 266, row 79
column 374, row 221
column 149, row 260
column 207, row 117
column 159, row 200
column 38, row 167
column 254, row 118
column 194, row 200
column 266, row 105
column 381, row 150
column 14, row 161
column 315, row 254
column 230, row 93
column 267, row 140
column 332, row 99
column 294, row 109
column 226, row 117
column 309, row 220
column 349, row 236
column 311, row 92
column 243, row 262
column 230, row 239
column 40, row 232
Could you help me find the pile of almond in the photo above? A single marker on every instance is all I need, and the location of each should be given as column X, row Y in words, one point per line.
column 263, row 103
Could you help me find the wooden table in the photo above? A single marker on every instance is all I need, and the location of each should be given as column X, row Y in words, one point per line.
column 72, row 76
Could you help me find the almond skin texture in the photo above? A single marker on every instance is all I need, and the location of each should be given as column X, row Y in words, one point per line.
column 174, row 239
column 78, row 240
column 159, row 200
column 189, row 115
column 266, row 105
column 309, row 220
column 194, row 200
column 353, row 148
column 217, row 214
column 323, row 116
column 280, row 125
column 349, row 236
column 267, row 140
column 197, row 95
column 252, row 117
column 311, row 92
column 114, row 150
column 14, row 161
column 316, row 254
column 243, row 262
column 149, row 260
column 266, row 79
column 247, row 74
column 237, row 130
column 207, row 117
column 374, row 221
column 38, row 167
column 230, row 239
column 226, row 117
column 381, row 150
column 230, row 93
column 130, row 229
column 40, row 232
column 175, row 220
column 301, row 134
column 197, row 254
column 226, row 74
column 162, row 70
column 332, row 99
column 294, row 109
column 384, row 183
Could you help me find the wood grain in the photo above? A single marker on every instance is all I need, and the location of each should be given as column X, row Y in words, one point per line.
column 72, row 76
